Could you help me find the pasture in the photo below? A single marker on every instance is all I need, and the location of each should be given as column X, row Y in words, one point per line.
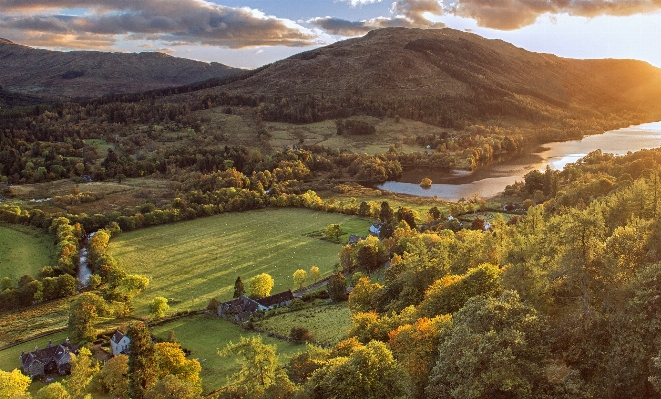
column 204, row 335
column 24, row 250
column 328, row 324
column 191, row 262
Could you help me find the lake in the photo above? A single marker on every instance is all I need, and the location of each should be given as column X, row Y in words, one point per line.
column 491, row 179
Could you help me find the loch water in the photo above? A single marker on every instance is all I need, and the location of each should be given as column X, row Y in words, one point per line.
column 489, row 180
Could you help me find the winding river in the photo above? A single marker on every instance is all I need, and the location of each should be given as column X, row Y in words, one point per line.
column 490, row 180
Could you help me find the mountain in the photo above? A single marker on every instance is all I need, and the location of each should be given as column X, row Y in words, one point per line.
column 448, row 77
column 56, row 75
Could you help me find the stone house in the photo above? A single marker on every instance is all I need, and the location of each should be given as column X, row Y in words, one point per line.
column 277, row 300
column 49, row 360
column 240, row 308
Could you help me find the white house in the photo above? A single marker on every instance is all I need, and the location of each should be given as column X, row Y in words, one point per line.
column 119, row 343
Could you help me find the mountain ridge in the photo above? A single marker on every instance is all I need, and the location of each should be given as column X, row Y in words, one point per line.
column 62, row 76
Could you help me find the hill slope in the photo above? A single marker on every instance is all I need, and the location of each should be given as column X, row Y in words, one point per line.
column 59, row 75
column 446, row 76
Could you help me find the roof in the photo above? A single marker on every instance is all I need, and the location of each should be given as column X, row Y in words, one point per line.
column 242, row 307
column 117, row 336
column 353, row 239
column 57, row 352
column 276, row 299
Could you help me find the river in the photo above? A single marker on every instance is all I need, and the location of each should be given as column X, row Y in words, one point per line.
column 487, row 181
column 84, row 270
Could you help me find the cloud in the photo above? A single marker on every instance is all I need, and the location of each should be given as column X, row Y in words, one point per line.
column 172, row 22
column 514, row 14
column 404, row 13
column 356, row 3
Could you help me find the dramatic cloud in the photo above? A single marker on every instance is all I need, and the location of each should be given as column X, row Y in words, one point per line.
column 174, row 22
column 514, row 14
column 404, row 13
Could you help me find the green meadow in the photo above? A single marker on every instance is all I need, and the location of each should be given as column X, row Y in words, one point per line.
column 191, row 262
column 204, row 335
column 24, row 250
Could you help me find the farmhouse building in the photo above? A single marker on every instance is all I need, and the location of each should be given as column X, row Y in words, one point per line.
column 119, row 342
column 51, row 359
column 277, row 300
column 239, row 309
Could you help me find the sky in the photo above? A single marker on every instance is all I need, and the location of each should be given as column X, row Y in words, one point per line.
column 251, row 33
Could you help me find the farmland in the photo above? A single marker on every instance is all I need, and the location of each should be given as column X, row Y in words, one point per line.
column 327, row 323
column 193, row 261
column 203, row 335
column 23, row 250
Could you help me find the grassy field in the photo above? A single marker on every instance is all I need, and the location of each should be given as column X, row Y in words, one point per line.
column 204, row 335
column 24, row 250
column 193, row 261
column 22, row 324
column 327, row 323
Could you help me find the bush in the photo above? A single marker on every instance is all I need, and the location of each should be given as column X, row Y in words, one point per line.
column 300, row 334
column 296, row 304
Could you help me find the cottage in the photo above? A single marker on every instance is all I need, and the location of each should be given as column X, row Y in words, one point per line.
column 277, row 300
column 51, row 359
column 375, row 229
column 119, row 342
column 240, row 308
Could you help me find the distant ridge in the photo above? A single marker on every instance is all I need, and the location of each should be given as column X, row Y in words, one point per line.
column 447, row 77
column 63, row 76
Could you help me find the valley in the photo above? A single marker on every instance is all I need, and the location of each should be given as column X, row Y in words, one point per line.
column 546, row 281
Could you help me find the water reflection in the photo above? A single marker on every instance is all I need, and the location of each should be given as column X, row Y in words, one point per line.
column 490, row 180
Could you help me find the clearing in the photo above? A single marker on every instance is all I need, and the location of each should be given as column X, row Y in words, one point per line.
column 24, row 250
column 191, row 262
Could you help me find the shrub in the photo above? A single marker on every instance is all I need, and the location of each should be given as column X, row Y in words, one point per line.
column 300, row 334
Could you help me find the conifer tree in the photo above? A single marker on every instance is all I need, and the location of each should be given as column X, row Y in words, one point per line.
column 238, row 288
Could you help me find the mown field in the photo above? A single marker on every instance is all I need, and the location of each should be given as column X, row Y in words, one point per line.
column 24, row 250
column 204, row 335
column 194, row 261
column 328, row 324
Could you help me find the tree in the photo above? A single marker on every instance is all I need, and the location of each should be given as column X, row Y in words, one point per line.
column 360, row 299
column 369, row 372
column 158, row 307
column 425, row 183
column 300, row 277
column 53, row 390
column 171, row 360
column 83, row 370
column 496, row 347
column 386, row 213
column 315, row 274
column 13, row 384
column 142, row 360
column 300, row 334
column 238, row 288
column 171, row 386
column 113, row 377
column 333, row 232
column 258, row 364
column 261, row 286
column 337, row 287
column 82, row 314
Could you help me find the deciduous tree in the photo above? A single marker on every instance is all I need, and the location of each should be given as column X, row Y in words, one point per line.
column 261, row 286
